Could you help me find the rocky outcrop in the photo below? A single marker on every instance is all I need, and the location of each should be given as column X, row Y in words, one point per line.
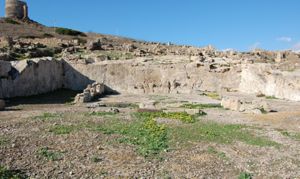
column 262, row 78
column 30, row 77
column 165, row 75
column 90, row 93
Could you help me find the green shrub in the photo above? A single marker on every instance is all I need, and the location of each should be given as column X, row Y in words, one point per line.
column 65, row 31
column 46, row 35
column 11, row 21
column 245, row 175
column 10, row 174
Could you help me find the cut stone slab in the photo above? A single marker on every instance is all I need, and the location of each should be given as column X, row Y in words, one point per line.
column 244, row 104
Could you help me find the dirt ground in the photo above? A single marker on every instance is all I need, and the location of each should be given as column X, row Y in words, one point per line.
column 33, row 143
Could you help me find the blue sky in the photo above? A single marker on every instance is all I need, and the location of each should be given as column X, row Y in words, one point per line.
column 237, row 24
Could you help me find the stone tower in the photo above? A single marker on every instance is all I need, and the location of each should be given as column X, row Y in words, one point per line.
column 16, row 9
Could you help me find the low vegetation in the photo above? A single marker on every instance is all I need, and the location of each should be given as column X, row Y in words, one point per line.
column 11, row 21
column 182, row 116
column 46, row 153
column 200, row 106
column 145, row 133
column 63, row 129
column 3, row 141
column 217, row 133
column 48, row 116
column 47, row 35
column 291, row 135
column 96, row 159
column 214, row 151
column 245, row 175
column 271, row 97
column 213, row 95
column 100, row 114
column 117, row 55
column 10, row 174
column 70, row 32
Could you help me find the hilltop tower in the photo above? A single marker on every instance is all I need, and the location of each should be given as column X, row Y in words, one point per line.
column 16, row 9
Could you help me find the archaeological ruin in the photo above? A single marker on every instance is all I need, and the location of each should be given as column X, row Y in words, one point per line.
column 89, row 105
column 16, row 9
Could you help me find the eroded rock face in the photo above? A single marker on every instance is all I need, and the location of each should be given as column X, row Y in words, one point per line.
column 31, row 77
column 261, row 78
column 152, row 76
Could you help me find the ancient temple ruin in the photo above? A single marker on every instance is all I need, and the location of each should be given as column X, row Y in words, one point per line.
column 16, row 9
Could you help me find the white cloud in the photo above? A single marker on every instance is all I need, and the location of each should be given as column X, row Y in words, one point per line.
column 296, row 47
column 285, row 39
column 228, row 50
column 254, row 46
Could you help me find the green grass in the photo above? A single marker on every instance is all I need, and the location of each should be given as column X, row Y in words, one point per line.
column 200, row 106
column 213, row 95
column 213, row 151
column 101, row 114
column 48, row 116
column 295, row 136
column 182, row 116
column 46, row 153
column 70, row 32
column 245, row 175
column 147, row 135
column 63, row 129
column 10, row 174
column 3, row 141
column 217, row 133
column 271, row 97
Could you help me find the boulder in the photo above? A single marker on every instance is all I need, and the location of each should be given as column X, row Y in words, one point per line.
column 256, row 106
column 90, row 93
column 94, row 45
column 2, row 104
